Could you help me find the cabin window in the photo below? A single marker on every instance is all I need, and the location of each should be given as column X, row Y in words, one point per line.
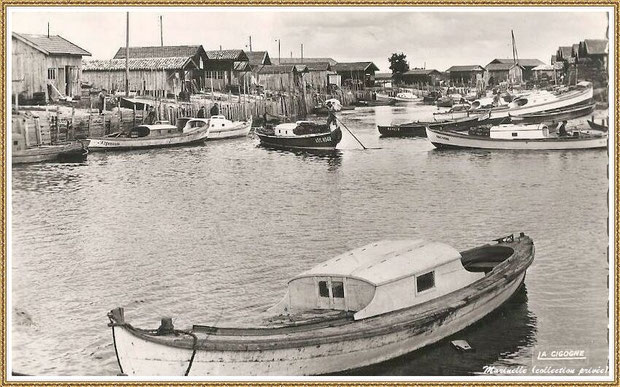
column 51, row 74
column 337, row 289
column 515, row 134
column 425, row 281
column 323, row 290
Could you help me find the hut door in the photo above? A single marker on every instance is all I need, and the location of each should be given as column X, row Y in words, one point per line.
column 61, row 81
column 71, row 75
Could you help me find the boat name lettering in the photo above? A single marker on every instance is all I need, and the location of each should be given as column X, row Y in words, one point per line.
column 109, row 143
column 323, row 139
column 443, row 138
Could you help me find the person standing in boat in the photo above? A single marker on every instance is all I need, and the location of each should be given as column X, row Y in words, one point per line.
column 202, row 112
column 562, row 130
column 331, row 114
column 215, row 110
column 151, row 117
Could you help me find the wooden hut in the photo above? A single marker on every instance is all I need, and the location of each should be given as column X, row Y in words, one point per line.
column 282, row 77
column 462, row 75
column 220, row 68
column 318, row 72
column 421, row 77
column 358, row 75
column 526, row 67
column 503, row 72
column 45, row 67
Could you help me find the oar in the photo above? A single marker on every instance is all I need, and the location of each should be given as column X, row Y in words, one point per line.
column 357, row 139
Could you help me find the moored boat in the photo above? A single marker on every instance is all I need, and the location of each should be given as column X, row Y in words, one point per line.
column 149, row 136
column 600, row 127
column 515, row 137
column 219, row 127
column 301, row 135
column 561, row 114
column 406, row 97
column 71, row 152
column 418, row 128
column 362, row 307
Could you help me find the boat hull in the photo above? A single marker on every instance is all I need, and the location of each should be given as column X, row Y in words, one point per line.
column 553, row 115
column 240, row 130
column 121, row 143
column 418, row 129
column 321, row 141
column 455, row 140
column 66, row 153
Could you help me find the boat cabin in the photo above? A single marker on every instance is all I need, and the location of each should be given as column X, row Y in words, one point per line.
column 519, row 132
column 156, row 130
column 380, row 277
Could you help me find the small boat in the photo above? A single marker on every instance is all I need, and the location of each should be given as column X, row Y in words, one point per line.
column 406, row 97
column 218, row 127
column 418, row 128
column 364, row 103
column 600, row 127
column 71, row 152
column 149, row 136
column 431, row 98
column 560, row 114
column 363, row 307
column 516, row 137
column 301, row 135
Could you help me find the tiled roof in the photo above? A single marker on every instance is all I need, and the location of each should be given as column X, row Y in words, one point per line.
column 522, row 62
column 257, row 58
column 564, row 52
column 235, row 55
column 421, row 72
column 596, row 46
column 304, row 60
column 355, row 66
column 158, row 52
column 465, row 68
column 52, row 45
column 501, row 66
column 171, row 63
column 282, row 69
column 241, row 66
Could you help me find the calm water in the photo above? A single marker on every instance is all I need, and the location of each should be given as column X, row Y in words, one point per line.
column 210, row 234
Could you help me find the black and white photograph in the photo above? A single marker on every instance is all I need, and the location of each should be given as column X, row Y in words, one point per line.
column 288, row 193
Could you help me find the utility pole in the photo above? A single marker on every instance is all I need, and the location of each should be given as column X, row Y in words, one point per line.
column 127, row 59
column 302, row 53
column 48, row 30
column 161, row 29
column 250, row 43
column 279, row 56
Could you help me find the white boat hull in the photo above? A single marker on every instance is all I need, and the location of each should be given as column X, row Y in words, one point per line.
column 123, row 143
column 237, row 129
column 449, row 139
column 146, row 358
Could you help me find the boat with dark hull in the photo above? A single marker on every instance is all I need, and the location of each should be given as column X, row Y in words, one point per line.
column 561, row 114
column 363, row 307
column 418, row 128
column 599, row 127
column 71, row 152
column 301, row 135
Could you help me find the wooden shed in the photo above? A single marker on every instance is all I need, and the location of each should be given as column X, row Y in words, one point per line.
column 318, row 72
column 48, row 65
column 504, row 72
column 527, row 65
column 356, row 74
column 471, row 75
column 282, row 77
column 220, row 68
column 422, row 77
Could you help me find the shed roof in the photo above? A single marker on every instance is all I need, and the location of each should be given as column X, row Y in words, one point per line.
column 241, row 66
column 421, row 72
column 171, row 63
column 51, row 45
column 158, row 52
column 305, row 60
column 355, row 66
column 502, row 66
column 596, row 46
column 465, row 68
column 234, row 55
column 282, row 69
column 257, row 58
column 385, row 261
column 380, row 76
column 564, row 52
column 522, row 62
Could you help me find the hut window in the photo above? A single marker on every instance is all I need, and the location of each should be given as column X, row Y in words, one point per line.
column 425, row 281
column 337, row 289
column 323, row 290
column 51, row 73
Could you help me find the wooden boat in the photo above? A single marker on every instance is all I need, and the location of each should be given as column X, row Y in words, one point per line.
column 301, row 135
column 406, row 97
column 149, row 136
column 517, row 137
column 418, row 128
column 363, row 307
column 363, row 103
column 71, row 152
column 600, row 127
column 218, row 127
column 561, row 114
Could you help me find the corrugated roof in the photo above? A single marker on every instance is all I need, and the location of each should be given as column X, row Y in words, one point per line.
column 241, row 66
column 304, row 60
column 236, row 55
column 465, row 68
column 282, row 69
column 171, row 63
column 383, row 261
column 158, row 52
column 52, row 45
column 501, row 66
column 421, row 72
column 596, row 46
column 257, row 58
column 355, row 66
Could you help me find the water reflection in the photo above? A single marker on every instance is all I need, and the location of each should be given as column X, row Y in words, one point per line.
column 508, row 331
column 48, row 177
column 333, row 157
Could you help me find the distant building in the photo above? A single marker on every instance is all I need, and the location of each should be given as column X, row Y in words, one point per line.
column 526, row 67
column 470, row 75
column 383, row 79
column 358, row 75
column 503, row 72
column 318, row 72
column 220, row 67
column 258, row 58
column 282, row 77
column 50, row 66
column 422, row 77
column 548, row 73
column 154, row 70
column 304, row 60
column 597, row 50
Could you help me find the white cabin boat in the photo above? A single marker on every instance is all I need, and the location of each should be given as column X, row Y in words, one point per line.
column 362, row 307
column 517, row 137
column 406, row 97
column 149, row 136
column 219, row 127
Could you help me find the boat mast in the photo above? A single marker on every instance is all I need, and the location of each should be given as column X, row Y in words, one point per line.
column 127, row 59
column 515, row 54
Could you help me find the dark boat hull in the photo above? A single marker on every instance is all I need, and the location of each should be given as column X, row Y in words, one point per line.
column 554, row 115
column 418, row 129
column 65, row 153
column 599, row 127
column 320, row 141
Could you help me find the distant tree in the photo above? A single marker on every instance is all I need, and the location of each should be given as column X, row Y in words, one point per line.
column 398, row 65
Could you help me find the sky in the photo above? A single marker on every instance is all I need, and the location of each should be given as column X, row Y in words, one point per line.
column 435, row 39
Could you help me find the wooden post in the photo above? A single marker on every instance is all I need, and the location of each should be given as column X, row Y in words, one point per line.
column 134, row 115
column 37, row 129
column 71, row 133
